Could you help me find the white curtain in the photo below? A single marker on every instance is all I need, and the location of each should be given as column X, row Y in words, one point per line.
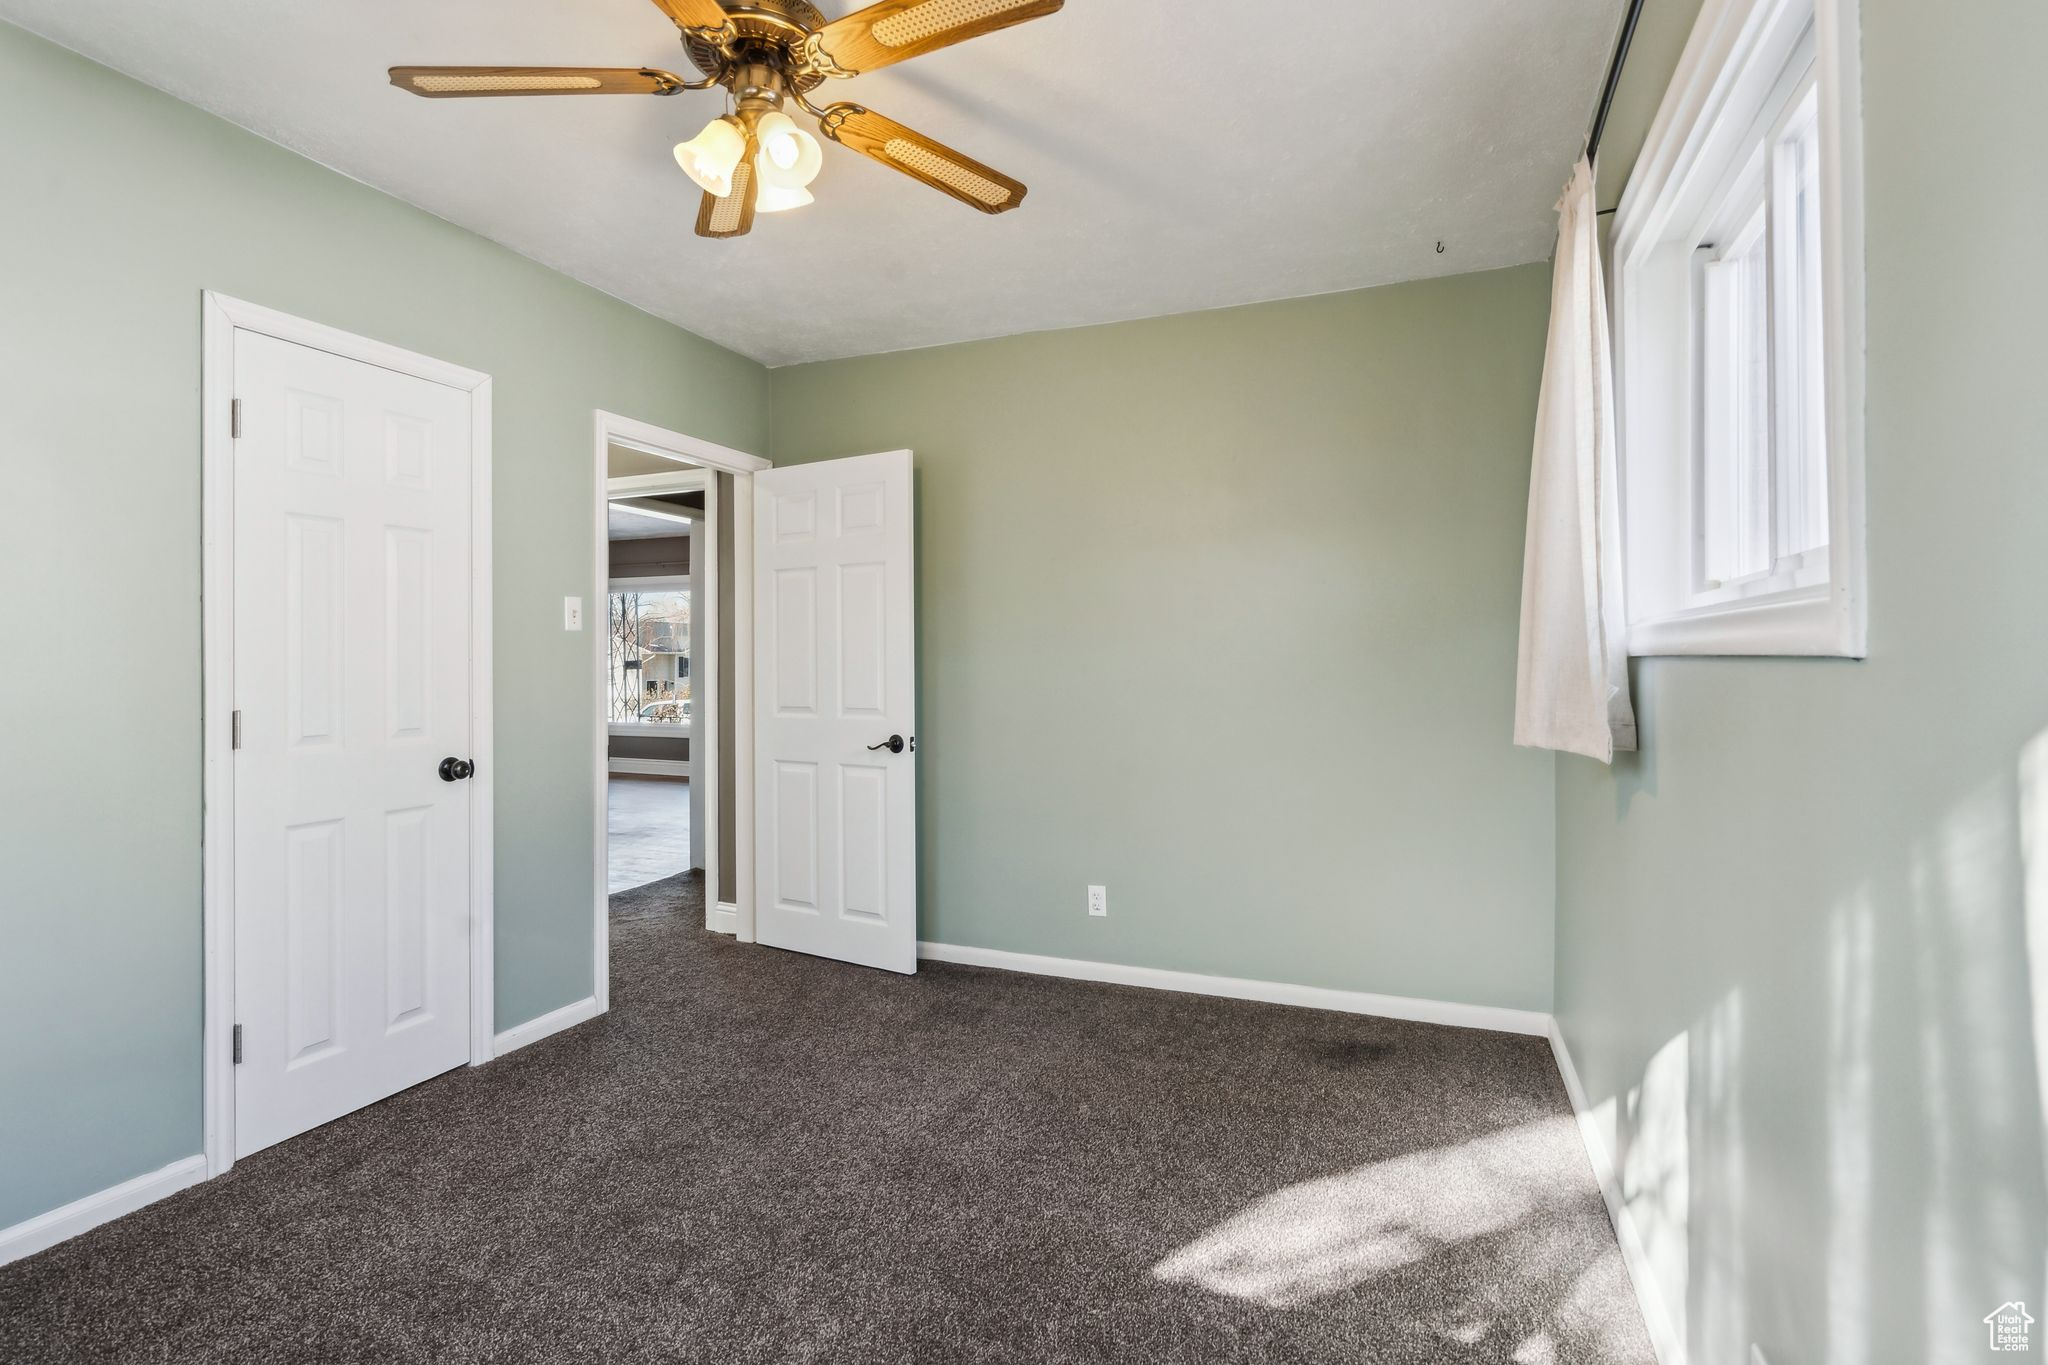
column 1571, row 684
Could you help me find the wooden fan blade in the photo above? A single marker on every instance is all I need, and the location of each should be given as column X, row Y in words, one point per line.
column 917, row 156
column 895, row 30
column 462, row 82
column 732, row 215
column 697, row 14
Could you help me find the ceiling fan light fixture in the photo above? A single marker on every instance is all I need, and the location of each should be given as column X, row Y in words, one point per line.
column 767, row 55
column 790, row 158
column 776, row 198
column 709, row 157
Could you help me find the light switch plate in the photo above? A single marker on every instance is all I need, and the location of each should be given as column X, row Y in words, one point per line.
column 572, row 613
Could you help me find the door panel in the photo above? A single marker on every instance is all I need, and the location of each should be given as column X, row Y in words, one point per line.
column 796, row 847
column 835, row 819
column 351, row 669
column 796, row 641
column 312, row 925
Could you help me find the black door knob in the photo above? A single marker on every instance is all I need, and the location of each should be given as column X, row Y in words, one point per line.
column 455, row 769
column 894, row 744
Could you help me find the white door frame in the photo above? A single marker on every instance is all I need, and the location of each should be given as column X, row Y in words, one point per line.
column 737, row 916
column 222, row 317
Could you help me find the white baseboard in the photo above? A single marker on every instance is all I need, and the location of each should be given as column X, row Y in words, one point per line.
column 58, row 1225
column 1493, row 1017
column 652, row 767
column 554, row 1021
column 61, row 1224
column 725, row 918
column 1664, row 1336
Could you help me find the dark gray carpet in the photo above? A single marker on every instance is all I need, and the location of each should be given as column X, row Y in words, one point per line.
column 761, row 1157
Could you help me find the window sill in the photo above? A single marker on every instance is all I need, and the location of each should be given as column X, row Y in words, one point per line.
column 626, row 729
column 1808, row 623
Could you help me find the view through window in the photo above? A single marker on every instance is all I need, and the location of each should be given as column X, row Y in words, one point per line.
column 650, row 657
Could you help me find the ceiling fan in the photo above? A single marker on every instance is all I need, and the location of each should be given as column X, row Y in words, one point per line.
column 769, row 53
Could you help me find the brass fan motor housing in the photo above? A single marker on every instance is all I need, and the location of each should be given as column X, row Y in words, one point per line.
column 773, row 30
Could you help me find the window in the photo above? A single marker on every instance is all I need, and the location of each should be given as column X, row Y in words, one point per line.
column 1762, row 454
column 1738, row 327
column 1734, row 454
column 649, row 647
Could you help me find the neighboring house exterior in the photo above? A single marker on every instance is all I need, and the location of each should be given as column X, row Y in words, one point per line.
column 650, row 654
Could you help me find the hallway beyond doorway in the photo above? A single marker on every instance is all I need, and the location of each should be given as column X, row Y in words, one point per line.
column 649, row 825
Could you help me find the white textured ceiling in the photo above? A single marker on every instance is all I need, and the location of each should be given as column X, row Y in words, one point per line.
column 1181, row 154
column 624, row 462
column 626, row 524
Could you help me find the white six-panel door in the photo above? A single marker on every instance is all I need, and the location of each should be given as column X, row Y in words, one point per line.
column 834, row 638
column 352, row 677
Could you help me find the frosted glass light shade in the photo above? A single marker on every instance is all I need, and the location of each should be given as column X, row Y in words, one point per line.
column 709, row 157
column 789, row 156
column 775, row 198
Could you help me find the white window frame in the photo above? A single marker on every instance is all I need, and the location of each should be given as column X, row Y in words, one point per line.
column 635, row 729
column 1732, row 74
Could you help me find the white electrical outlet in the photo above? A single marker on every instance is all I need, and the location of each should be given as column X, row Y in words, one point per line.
column 1098, row 900
column 572, row 613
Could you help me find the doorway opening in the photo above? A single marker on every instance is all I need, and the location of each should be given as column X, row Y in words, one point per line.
column 662, row 561
column 672, row 677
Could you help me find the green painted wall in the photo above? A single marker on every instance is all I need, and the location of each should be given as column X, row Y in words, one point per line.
column 122, row 205
column 1219, row 611
column 1257, row 677
column 1793, row 957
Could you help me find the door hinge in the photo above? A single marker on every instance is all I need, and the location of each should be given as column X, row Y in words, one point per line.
column 235, row 731
column 235, row 419
column 238, row 1045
